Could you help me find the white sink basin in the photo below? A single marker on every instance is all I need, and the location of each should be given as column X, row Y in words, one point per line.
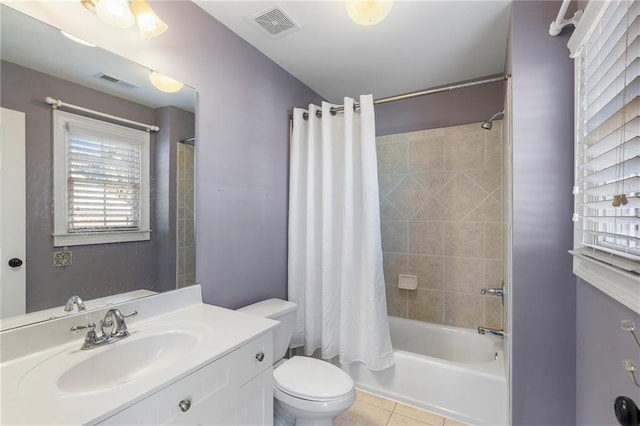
column 126, row 361
column 146, row 351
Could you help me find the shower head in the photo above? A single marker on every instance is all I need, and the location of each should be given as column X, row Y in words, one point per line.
column 487, row 125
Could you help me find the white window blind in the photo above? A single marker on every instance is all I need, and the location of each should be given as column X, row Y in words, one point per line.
column 608, row 138
column 101, row 181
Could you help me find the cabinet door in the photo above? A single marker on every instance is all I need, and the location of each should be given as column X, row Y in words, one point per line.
column 255, row 405
column 258, row 396
column 211, row 393
column 249, row 405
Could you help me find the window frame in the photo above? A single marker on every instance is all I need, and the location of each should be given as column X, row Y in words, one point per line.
column 61, row 236
column 621, row 285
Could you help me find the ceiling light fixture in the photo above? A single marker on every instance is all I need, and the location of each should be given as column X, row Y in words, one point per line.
column 90, row 5
column 149, row 24
column 124, row 13
column 164, row 83
column 116, row 13
column 368, row 12
column 76, row 39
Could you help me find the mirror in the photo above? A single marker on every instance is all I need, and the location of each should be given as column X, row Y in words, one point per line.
column 38, row 61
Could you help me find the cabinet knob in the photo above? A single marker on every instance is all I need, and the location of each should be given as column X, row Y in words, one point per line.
column 259, row 356
column 184, row 405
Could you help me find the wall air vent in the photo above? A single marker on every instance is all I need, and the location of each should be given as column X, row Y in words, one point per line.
column 274, row 22
column 122, row 83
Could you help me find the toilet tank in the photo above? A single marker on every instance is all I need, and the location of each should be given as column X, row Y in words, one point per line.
column 279, row 310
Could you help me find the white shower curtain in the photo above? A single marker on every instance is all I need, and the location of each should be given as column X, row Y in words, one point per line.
column 335, row 251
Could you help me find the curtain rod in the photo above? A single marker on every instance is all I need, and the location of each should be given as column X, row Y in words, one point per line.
column 56, row 103
column 412, row 95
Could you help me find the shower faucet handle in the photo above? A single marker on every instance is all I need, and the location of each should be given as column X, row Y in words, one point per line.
column 493, row 291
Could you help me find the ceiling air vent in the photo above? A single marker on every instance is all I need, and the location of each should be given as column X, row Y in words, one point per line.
column 275, row 22
column 118, row 82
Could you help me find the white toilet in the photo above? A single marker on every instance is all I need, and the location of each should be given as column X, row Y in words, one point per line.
column 306, row 391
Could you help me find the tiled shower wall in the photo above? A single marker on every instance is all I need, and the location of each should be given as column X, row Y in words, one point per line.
column 186, row 217
column 441, row 213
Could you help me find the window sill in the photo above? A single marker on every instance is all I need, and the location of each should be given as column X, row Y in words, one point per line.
column 62, row 240
column 620, row 285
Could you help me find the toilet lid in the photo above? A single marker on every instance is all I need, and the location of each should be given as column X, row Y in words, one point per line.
column 313, row 379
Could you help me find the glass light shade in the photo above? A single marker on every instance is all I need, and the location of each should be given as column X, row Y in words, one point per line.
column 77, row 39
column 115, row 12
column 164, row 83
column 368, row 12
column 90, row 5
column 149, row 24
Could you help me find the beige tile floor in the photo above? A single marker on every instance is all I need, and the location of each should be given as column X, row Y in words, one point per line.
column 373, row 410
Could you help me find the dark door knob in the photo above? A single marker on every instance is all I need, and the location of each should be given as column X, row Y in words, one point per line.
column 15, row 262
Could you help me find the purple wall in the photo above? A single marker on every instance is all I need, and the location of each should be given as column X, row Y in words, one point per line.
column 242, row 155
column 543, row 291
column 461, row 106
column 601, row 345
column 97, row 270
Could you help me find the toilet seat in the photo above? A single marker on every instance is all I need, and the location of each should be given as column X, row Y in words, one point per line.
column 312, row 380
column 335, row 405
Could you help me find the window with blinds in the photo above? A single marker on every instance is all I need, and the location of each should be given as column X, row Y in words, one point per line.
column 101, row 181
column 607, row 187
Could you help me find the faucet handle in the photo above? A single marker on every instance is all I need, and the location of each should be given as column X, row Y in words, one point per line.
column 122, row 324
column 493, row 291
column 91, row 326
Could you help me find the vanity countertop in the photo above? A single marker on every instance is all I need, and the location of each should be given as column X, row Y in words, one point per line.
column 29, row 397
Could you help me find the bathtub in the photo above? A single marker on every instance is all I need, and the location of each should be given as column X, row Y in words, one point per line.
column 451, row 371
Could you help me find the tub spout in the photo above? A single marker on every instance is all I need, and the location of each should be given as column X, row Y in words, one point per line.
column 491, row 331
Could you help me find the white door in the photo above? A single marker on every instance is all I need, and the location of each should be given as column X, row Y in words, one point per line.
column 12, row 213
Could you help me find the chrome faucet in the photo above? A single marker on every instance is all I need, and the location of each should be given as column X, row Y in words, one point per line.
column 491, row 331
column 114, row 324
column 113, row 329
column 74, row 300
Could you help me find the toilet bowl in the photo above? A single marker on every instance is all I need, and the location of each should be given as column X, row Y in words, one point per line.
column 306, row 391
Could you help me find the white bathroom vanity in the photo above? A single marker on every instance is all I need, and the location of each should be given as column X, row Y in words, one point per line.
column 184, row 362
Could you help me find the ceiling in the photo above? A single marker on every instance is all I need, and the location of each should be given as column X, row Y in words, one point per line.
column 420, row 45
